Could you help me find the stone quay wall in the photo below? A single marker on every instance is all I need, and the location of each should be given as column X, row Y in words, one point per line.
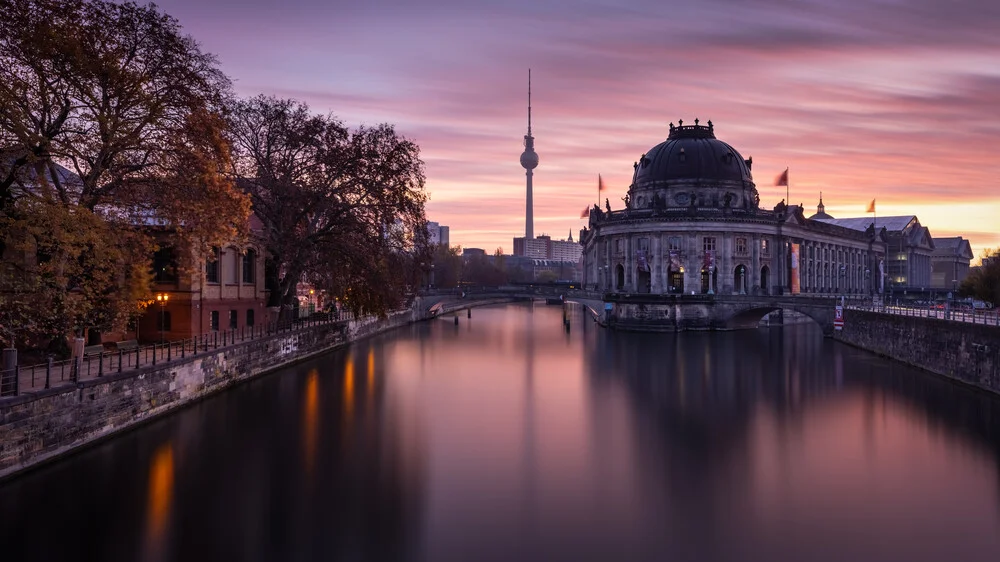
column 39, row 426
column 962, row 351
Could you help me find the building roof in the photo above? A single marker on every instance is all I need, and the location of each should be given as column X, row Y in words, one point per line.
column 953, row 246
column 27, row 181
column 891, row 224
column 821, row 216
column 820, row 210
column 692, row 152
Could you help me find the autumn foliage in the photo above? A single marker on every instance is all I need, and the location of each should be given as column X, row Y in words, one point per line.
column 119, row 137
column 111, row 131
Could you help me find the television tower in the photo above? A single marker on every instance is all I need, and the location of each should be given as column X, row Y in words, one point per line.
column 529, row 161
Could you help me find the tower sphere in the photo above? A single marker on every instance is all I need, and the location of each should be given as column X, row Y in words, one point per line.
column 529, row 159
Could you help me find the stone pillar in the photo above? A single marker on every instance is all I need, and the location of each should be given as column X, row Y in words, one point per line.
column 692, row 264
column 655, row 265
column 724, row 258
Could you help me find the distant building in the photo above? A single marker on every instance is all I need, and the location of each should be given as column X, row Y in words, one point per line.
column 950, row 262
column 438, row 234
column 909, row 247
column 544, row 247
column 532, row 247
column 473, row 252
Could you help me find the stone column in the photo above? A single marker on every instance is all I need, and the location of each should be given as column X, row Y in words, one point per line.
column 655, row 265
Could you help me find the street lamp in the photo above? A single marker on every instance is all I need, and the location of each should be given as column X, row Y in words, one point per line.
column 162, row 299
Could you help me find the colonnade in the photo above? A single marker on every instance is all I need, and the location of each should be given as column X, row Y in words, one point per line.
column 753, row 265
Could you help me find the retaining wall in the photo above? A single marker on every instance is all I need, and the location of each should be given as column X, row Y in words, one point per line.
column 38, row 426
column 963, row 351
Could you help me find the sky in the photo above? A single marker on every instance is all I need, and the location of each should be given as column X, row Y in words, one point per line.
column 897, row 100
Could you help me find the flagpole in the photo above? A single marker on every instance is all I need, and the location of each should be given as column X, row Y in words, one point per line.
column 788, row 182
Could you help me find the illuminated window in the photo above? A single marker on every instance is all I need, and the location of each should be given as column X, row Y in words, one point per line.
column 765, row 246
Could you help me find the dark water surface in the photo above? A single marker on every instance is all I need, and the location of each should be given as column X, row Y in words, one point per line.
column 505, row 438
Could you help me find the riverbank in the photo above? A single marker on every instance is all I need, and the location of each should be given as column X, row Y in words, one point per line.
column 961, row 351
column 38, row 427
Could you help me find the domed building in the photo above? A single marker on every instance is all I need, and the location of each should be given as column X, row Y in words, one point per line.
column 693, row 224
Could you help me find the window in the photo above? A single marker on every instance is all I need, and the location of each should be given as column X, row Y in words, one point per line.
column 230, row 264
column 214, row 320
column 165, row 266
column 708, row 244
column 249, row 317
column 619, row 246
column 250, row 267
column 644, row 245
column 741, row 246
column 765, row 246
column 232, row 319
column 212, row 266
column 164, row 320
column 674, row 243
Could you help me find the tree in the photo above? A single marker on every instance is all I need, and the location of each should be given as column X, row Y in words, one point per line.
column 74, row 271
column 448, row 266
column 342, row 208
column 983, row 282
column 478, row 270
column 109, row 115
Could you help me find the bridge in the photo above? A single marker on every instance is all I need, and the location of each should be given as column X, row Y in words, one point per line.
column 645, row 312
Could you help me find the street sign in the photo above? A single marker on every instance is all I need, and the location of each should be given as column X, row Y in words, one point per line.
column 838, row 318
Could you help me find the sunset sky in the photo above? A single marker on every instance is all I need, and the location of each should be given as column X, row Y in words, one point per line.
column 896, row 99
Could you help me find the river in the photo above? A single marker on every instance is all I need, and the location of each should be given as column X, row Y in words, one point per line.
column 508, row 437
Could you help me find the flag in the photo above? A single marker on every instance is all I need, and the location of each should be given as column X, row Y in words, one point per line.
column 871, row 207
column 600, row 183
column 782, row 179
column 585, row 213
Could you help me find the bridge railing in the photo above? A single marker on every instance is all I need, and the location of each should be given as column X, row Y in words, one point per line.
column 988, row 317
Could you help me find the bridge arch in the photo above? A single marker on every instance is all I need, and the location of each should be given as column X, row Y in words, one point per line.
column 751, row 317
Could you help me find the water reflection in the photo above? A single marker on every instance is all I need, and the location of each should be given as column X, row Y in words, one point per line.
column 508, row 437
column 310, row 422
column 160, row 498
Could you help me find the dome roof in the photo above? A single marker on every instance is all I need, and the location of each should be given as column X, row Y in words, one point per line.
column 692, row 154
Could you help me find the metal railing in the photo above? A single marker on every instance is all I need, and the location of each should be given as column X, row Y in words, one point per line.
column 987, row 317
column 30, row 378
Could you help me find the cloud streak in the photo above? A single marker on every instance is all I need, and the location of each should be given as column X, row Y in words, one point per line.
column 887, row 99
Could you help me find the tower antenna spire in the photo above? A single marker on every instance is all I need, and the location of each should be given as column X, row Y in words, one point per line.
column 529, row 102
column 529, row 161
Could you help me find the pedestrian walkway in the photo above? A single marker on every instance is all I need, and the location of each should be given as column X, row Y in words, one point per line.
column 53, row 374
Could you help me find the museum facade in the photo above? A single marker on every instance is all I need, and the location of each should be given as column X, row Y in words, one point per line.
column 693, row 224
